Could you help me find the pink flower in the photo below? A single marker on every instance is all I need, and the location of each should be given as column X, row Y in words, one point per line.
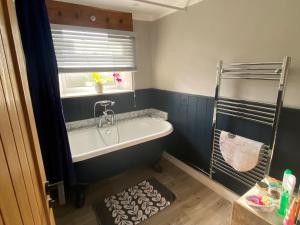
column 117, row 77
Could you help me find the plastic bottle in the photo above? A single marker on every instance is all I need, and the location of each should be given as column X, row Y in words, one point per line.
column 290, row 215
column 290, row 184
column 297, row 214
column 284, row 202
column 286, row 174
column 297, row 210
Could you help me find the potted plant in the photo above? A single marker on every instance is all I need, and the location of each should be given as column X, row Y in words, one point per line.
column 118, row 78
column 99, row 81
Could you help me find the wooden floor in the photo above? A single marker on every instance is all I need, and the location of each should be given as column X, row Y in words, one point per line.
column 195, row 204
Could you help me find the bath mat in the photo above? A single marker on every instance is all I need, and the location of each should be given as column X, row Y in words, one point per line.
column 135, row 204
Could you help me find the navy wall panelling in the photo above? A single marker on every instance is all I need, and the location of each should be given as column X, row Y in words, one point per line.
column 191, row 116
column 81, row 108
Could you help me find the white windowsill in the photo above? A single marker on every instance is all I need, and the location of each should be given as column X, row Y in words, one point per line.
column 85, row 94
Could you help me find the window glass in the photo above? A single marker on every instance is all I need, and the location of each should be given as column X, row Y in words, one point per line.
column 81, row 84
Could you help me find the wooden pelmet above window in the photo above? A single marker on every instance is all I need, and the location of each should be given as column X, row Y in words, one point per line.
column 79, row 15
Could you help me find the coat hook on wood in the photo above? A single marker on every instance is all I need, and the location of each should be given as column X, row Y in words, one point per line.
column 93, row 18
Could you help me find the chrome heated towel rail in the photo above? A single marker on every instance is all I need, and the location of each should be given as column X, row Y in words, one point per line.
column 256, row 112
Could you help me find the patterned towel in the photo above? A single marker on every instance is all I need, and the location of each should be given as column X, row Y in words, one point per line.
column 135, row 204
column 239, row 152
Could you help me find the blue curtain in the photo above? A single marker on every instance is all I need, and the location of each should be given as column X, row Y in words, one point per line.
column 44, row 89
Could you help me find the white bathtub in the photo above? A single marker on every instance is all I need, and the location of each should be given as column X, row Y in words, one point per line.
column 90, row 142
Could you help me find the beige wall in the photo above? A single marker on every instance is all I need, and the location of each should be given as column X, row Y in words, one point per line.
column 143, row 76
column 187, row 45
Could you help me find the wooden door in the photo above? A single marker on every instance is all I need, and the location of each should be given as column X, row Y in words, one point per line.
column 23, row 200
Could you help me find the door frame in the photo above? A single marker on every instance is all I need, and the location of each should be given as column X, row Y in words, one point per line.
column 25, row 200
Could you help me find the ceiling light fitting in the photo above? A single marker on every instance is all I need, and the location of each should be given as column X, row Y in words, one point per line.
column 165, row 5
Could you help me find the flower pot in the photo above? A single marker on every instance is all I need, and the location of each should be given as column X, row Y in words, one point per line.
column 99, row 87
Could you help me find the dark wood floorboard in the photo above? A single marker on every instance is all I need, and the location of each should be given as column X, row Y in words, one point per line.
column 195, row 204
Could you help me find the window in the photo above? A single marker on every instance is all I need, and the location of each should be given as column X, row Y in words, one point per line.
column 89, row 57
column 83, row 83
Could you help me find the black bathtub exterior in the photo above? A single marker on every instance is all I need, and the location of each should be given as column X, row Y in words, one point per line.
column 110, row 164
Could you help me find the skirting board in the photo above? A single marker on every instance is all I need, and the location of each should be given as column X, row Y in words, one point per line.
column 216, row 187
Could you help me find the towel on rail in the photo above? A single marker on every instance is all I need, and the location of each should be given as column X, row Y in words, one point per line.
column 239, row 152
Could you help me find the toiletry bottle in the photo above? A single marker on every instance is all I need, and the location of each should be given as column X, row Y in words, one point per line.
column 290, row 215
column 297, row 210
column 286, row 174
column 297, row 213
column 290, row 184
column 284, row 202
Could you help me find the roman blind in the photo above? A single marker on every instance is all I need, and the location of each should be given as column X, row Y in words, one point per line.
column 82, row 49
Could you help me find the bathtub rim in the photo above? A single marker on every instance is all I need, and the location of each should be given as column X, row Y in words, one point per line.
column 126, row 144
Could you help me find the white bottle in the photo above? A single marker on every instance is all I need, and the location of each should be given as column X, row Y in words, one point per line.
column 290, row 184
column 286, row 174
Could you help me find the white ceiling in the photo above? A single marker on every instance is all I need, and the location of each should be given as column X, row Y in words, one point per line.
column 140, row 11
